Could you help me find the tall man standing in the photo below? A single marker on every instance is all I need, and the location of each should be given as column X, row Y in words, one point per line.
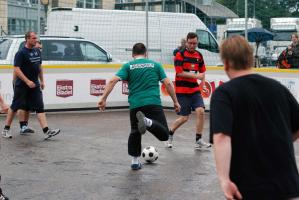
column 29, row 83
column 23, row 115
column 146, row 112
column 254, row 121
column 189, row 68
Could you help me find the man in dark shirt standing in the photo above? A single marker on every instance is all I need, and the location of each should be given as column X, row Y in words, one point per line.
column 254, row 121
column 30, row 82
column 189, row 68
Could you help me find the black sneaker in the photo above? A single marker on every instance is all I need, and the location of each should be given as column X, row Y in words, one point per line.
column 51, row 132
column 141, row 124
column 2, row 197
column 136, row 166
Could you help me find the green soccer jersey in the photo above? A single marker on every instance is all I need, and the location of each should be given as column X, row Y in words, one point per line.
column 143, row 76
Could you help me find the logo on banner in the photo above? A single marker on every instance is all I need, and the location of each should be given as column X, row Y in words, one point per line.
column 125, row 87
column 205, row 93
column 209, row 89
column 97, row 87
column 64, row 88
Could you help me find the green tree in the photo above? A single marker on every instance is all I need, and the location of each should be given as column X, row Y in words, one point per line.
column 264, row 9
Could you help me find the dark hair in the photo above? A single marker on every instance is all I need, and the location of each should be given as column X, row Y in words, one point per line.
column 238, row 52
column 139, row 49
column 28, row 34
column 191, row 35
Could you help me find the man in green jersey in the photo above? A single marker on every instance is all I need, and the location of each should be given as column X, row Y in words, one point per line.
column 146, row 112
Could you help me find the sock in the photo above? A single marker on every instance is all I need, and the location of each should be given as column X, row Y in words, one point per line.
column 198, row 136
column 22, row 124
column 171, row 132
column 135, row 160
column 45, row 129
column 148, row 122
column 6, row 127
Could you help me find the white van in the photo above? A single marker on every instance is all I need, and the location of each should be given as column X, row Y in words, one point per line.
column 118, row 30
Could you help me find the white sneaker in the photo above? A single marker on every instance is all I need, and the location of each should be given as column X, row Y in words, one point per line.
column 50, row 133
column 6, row 134
column 169, row 142
column 25, row 129
column 200, row 144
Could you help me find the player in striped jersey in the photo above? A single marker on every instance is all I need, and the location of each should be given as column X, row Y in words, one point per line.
column 189, row 67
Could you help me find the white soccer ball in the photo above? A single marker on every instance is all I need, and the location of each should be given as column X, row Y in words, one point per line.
column 150, row 154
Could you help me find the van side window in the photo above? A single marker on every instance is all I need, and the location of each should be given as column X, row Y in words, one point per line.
column 91, row 52
column 62, row 50
column 206, row 41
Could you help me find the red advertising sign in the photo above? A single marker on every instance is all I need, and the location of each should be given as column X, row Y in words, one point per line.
column 64, row 88
column 125, row 87
column 97, row 87
column 205, row 92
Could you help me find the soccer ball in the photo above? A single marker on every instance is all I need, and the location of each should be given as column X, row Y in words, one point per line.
column 150, row 154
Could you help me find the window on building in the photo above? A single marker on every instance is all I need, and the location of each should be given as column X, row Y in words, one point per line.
column 34, row 1
column 54, row 3
column 89, row 4
column 20, row 26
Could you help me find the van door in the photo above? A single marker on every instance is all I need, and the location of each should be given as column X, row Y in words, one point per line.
column 208, row 47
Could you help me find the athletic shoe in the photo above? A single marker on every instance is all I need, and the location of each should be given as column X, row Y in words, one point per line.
column 136, row 166
column 26, row 129
column 200, row 144
column 6, row 134
column 169, row 142
column 2, row 197
column 50, row 133
column 141, row 124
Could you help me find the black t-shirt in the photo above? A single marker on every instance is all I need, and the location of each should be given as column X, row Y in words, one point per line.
column 260, row 115
column 29, row 61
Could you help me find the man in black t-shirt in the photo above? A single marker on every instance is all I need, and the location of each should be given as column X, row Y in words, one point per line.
column 29, row 84
column 254, row 121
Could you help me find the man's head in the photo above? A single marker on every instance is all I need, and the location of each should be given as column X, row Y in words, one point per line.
column 30, row 38
column 192, row 41
column 236, row 54
column 295, row 38
column 139, row 49
column 39, row 45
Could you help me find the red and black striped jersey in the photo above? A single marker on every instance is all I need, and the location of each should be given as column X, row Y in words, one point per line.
column 188, row 62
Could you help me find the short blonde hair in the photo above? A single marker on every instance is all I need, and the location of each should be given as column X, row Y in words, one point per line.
column 237, row 52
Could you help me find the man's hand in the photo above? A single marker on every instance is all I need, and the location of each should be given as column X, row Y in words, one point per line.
column 177, row 107
column 201, row 76
column 31, row 84
column 230, row 190
column 42, row 85
column 4, row 108
column 102, row 104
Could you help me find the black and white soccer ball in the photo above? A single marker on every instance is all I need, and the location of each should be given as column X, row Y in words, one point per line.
column 150, row 154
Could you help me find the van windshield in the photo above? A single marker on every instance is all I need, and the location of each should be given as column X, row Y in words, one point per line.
column 4, row 47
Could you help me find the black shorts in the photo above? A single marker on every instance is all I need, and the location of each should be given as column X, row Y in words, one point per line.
column 189, row 102
column 26, row 98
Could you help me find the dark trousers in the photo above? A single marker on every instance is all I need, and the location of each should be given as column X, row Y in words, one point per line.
column 159, row 127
